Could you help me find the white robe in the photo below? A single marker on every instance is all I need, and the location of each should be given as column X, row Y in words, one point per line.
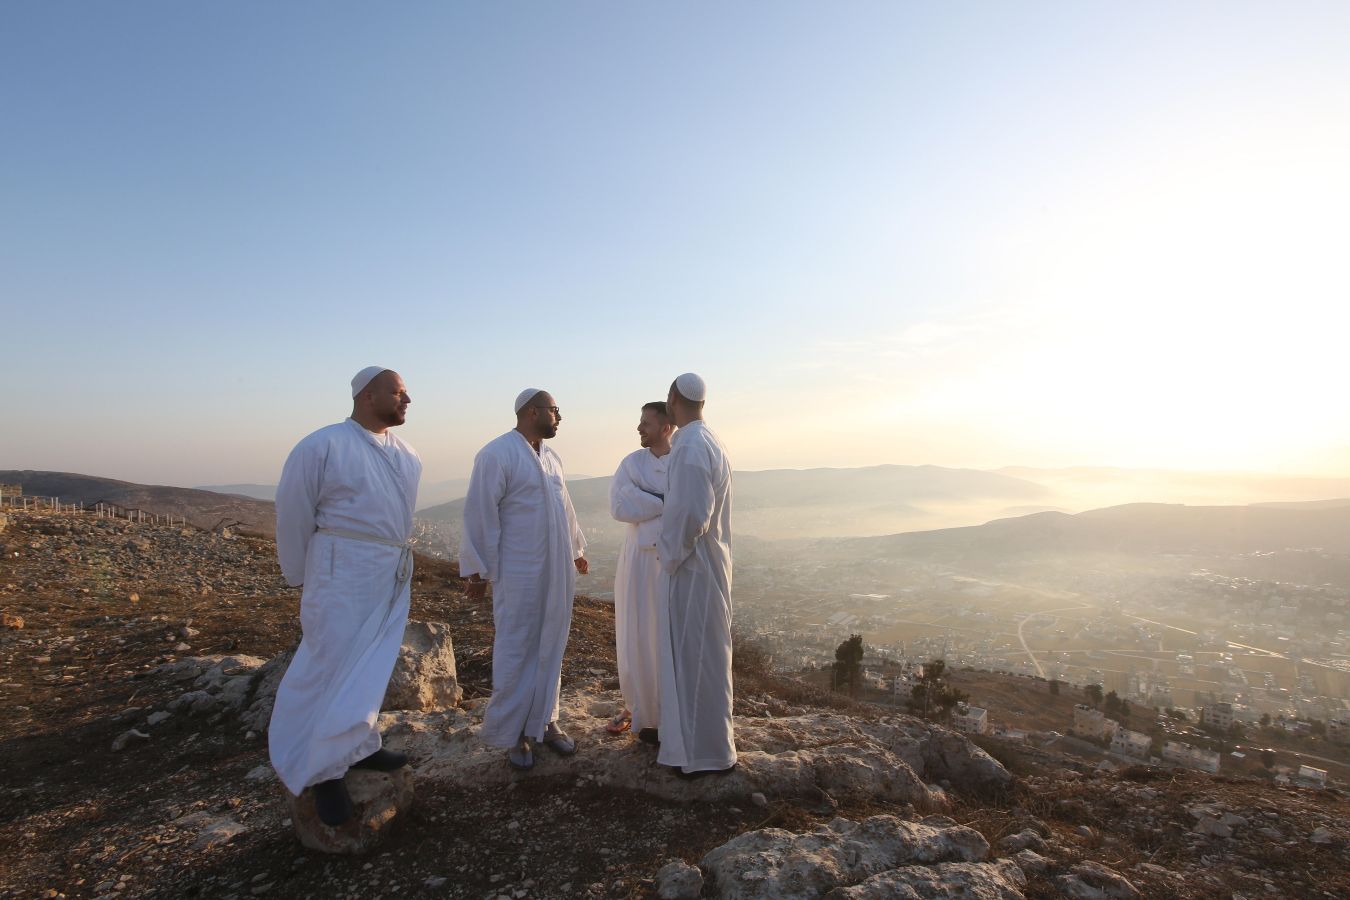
column 521, row 534
column 355, row 601
column 640, row 477
column 695, row 552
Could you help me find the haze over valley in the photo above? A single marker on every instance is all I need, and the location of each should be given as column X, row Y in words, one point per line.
column 1167, row 603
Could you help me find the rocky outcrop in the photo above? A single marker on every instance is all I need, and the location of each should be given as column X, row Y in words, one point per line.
column 818, row 757
column 1001, row 880
column 424, row 677
column 773, row 863
column 1094, row 881
column 379, row 799
column 677, row 880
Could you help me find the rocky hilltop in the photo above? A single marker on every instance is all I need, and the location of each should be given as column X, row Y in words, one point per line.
column 137, row 665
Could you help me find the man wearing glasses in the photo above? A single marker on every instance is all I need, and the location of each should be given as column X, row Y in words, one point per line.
column 521, row 534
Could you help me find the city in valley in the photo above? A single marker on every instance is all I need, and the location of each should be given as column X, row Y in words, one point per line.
column 1195, row 617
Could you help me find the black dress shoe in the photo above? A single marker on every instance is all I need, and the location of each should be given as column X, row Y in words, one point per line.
column 649, row 736
column 382, row 760
column 702, row 773
column 332, row 802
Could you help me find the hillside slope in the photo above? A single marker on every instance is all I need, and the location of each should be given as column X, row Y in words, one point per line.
column 90, row 661
column 203, row 508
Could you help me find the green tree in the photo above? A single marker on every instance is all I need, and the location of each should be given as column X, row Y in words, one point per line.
column 1265, row 720
column 1268, row 758
column 847, row 670
column 1093, row 693
column 935, row 693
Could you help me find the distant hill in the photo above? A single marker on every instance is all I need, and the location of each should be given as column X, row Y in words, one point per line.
column 1308, row 504
column 1095, row 487
column 205, row 509
column 428, row 494
column 1137, row 528
column 255, row 491
column 800, row 503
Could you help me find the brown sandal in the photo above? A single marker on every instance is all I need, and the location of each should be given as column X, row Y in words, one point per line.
column 620, row 723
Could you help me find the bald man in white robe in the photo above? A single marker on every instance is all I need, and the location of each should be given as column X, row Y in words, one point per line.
column 521, row 535
column 344, row 517
column 695, row 552
column 637, row 497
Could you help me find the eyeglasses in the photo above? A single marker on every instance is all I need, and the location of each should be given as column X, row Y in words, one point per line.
column 552, row 409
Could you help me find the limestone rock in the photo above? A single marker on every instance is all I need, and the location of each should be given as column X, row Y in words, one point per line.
column 1031, row 862
column 1001, row 880
column 120, row 742
column 816, row 757
column 775, row 863
column 1094, row 881
column 379, row 799
column 677, row 880
column 12, row 622
column 1024, row 839
column 266, row 680
column 218, row 832
column 424, row 677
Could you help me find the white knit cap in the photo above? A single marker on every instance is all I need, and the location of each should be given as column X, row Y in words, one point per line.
column 526, row 396
column 365, row 377
column 691, row 387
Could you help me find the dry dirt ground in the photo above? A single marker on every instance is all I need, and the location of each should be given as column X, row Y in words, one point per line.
column 104, row 604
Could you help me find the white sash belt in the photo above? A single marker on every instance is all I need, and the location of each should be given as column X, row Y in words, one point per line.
column 405, row 558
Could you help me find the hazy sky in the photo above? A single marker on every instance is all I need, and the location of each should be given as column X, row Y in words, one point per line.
column 951, row 233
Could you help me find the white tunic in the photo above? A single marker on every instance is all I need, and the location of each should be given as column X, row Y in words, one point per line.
column 635, row 497
column 695, row 552
column 521, row 534
column 341, row 479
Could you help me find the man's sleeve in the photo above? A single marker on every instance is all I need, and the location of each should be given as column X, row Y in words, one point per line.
column 628, row 502
column 688, row 511
column 482, row 534
column 578, row 539
column 297, row 502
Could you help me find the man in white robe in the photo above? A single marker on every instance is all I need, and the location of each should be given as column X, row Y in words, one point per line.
column 344, row 516
column 521, row 534
column 636, row 496
column 695, row 552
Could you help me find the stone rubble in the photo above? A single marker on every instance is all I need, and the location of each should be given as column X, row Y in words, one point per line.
column 774, row 863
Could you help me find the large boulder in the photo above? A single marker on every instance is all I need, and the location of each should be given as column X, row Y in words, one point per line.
column 773, row 863
column 424, row 677
column 380, row 799
column 1001, row 880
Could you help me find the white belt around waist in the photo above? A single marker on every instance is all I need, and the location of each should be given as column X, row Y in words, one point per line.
column 404, row 560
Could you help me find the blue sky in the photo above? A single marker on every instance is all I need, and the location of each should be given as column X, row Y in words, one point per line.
column 960, row 234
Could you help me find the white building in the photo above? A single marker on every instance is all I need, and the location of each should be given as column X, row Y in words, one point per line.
column 1133, row 744
column 971, row 720
column 1091, row 723
column 1309, row 775
column 1183, row 754
column 1219, row 715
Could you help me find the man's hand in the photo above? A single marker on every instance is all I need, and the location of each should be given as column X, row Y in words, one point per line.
column 582, row 565
column 475, row 588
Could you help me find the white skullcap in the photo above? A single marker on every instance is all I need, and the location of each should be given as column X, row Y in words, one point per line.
column 691, row 387
column 365, row 377
column 526, row 396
